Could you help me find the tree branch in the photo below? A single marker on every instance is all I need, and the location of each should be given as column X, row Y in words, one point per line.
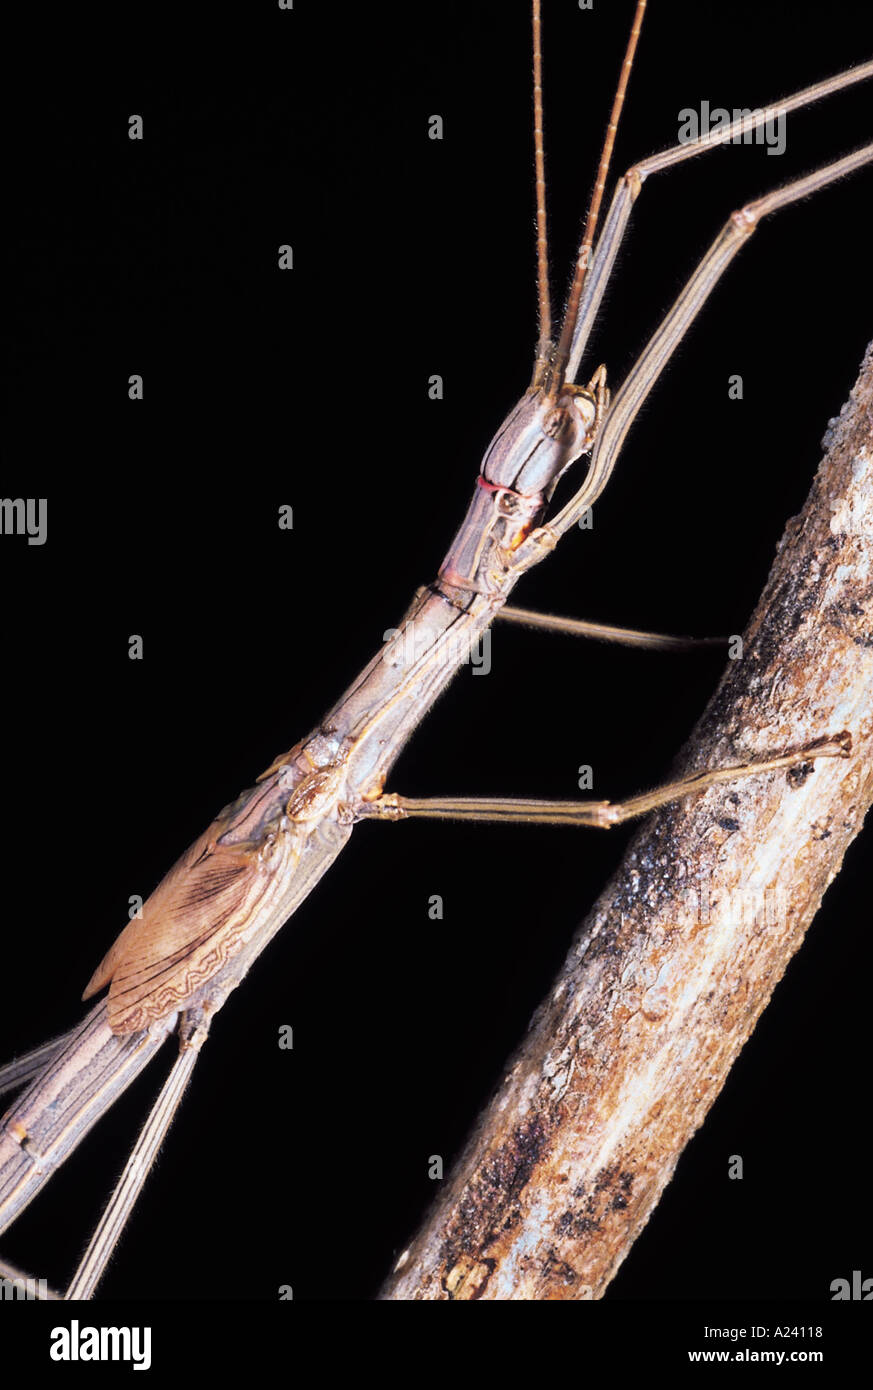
column 669, row 974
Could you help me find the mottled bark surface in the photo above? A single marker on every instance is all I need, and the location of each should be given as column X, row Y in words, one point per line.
column 670, row 972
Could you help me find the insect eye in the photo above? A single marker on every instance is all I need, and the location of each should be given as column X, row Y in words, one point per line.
column 586, row 411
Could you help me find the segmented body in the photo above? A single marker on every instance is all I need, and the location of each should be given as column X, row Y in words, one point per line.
column 223, row 898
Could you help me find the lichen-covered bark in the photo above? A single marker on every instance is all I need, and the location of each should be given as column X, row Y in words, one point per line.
column 669, row 974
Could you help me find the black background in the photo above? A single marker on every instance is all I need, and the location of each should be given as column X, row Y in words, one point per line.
column 309, row 388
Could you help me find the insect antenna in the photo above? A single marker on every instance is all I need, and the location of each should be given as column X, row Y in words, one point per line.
column 544, row 345
column 556, row 370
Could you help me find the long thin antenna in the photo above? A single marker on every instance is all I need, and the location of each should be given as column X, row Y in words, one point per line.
column 559, row 365
column 544, row 345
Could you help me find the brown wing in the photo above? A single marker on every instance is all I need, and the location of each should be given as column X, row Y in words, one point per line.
column 191, row 924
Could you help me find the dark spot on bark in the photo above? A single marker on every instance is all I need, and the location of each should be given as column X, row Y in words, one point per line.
column 491, row 1207
column 729, row 824
column 555, row 1268
column 576, row 1226
column 798, row 775
column 530, row 1141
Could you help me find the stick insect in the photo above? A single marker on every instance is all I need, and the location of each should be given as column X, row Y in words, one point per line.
column 422, row 489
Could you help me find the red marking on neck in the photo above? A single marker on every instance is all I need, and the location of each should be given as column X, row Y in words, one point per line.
column 494, row 487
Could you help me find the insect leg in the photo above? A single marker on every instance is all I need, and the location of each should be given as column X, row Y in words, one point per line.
column 74, row 1089
column 193, row 1030
column 22, row 1069
column 604, row 632
column 660, row 348
column 629, row 186
column 599, row 814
